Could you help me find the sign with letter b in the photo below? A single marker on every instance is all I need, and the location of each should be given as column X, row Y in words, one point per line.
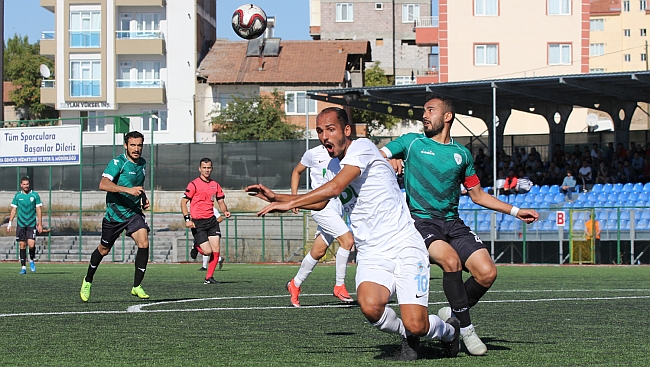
column 560, row 218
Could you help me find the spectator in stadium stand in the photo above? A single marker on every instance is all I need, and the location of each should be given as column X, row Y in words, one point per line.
column 645, row 175
column 637, row 163
column 609, row 154
column 552, row 176
column 595, row 150
column 621, row 152
column 558, row 155
column 602, row 174
column 592, row 229
column 568, row 185
column 539, row 170
column 585, row 175
column 524, row 184
column 480, row 158
column 510, row 186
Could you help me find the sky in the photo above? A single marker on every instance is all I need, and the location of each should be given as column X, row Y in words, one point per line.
column 28, row 18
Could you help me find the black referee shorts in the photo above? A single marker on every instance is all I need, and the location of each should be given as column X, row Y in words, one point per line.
column 204, row 228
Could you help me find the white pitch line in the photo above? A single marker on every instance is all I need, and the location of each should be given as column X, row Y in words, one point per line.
column 259, row 308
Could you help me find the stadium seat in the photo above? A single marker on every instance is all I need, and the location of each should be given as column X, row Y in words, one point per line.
column 558, row 198
column 487, row 189
column 463, row 199
column 640, row 204
column 610, row 204
column 592, row 196
column 618, row 187
column 602, row 215
column 520, row 199
column 620, row 203
column 645, row 214
column 534, row 190
column 642, row 224
column 503, row 198
column 545, row 206
column 628, row 187
column 567, row 205
column 611, row 225
column 530, row 198
column 555, row 189
column 578, row 188
column 625, row 214
column 511, row 199
column 625, row 225
column 484, row 226
column 608, row 187
column 630, row 203
column 623, row 196
column 582, row 197
column 481, row 217
column 646, row 187
column 602, row 197
column 544, row 189
column 500, row 217
column 645, row 196
column 513, row 226
column 613, row 215
column 597, row 188
column 579, row 204
column 547, row 225
column 612, row 197
column 579, row 226
column 540, row 198
column 638, row 187
column 507, row 218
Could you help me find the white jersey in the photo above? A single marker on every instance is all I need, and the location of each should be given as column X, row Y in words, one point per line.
column 316, row 159
column 379, row 217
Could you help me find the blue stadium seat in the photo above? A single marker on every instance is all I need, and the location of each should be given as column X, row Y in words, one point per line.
column 625, row 214
column 628, row 187
column 579, row 204
column 545, row 206
column 618, row 187
column 513, row 225
column 620, row 203
column 500, row 217
column 613, row 215
column 558, row 198
column 540, row 198
column 535, row 227
column 645, row 196
column 555, row 189
column 507, row 218
column 625, row 225
column 544, row 189
column 484, row 226
column 579, row 226
column 592, row 196
column 582, row 197
column 481, row 217
column 602, row 215
column 530, row 198
column 610, row 204
column 645, row 214
column 646, row 187
column 608, row 187
column 638, row 187
column 548, row 225
column 511, row 199
column 640, row 204
column 638, row 214
column 534, row 190
column 611, row 225
column 642, row 224
column 520, row 199
column 597, row 188
column 602, row 196
column 630, row 203
column 487, row 189
column 600, row 204
column 567, row 205
column 503, row 198
column 463, row 200
column 612, row 197
column 623, row 196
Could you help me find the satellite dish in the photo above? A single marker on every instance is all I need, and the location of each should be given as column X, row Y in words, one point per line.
column 592, row 120
column 45, row 71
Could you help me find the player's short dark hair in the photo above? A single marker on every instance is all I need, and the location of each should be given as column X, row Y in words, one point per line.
column 25, row 179
column 205, row 160
column 133, row 135
column 341, row 115
column 448, row 103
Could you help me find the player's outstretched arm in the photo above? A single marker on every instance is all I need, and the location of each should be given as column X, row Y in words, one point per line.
column 295, row 177
column 486, row 200
column 317, row 199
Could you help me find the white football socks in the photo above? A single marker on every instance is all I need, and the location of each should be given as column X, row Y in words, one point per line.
column 390, row 323
column 206, row 259
column 342, row 256
column 439, row 329
column 306, row 266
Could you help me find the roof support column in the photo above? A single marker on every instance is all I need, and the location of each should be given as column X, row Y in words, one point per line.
column 557, row 127
column 616, row 109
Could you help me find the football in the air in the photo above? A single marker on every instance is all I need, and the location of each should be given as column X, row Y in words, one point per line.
column 249, row 21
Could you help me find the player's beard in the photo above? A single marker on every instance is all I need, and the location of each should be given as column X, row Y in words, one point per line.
column 434, row 130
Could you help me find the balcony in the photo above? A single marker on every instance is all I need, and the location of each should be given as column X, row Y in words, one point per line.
column 137, row 2
column 140, row 91
column 85, row 88
column 85, row 39
column 427, row 76
column 426, row 31
column 48, row 92
column 139, row 43
column 47, row 43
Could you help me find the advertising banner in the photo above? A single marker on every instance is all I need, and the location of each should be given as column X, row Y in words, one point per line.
column 40, row 146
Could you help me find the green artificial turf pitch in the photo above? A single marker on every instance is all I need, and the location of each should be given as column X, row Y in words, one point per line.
column 532, row 316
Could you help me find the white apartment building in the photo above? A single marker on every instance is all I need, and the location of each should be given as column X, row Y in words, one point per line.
column 127, row 57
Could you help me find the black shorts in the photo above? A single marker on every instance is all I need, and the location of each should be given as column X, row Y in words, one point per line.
column 204, row 228
column 25, row 233
column 111, row 231
column 454, row 232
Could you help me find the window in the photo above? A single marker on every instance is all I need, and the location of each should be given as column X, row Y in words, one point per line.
column 92, row 121
column 643, row 57
column 379, row 42
column 404, row 80
column 559, row 54
column 643, row 5
column 626, row 6
column 486, row 7
column 344, row 12
column 486, row 55
column 148, row 23
column 379, row 6
column 597, row 70
column 85, row 78
column 643, row 32
column 596, row 49
column 294, row 103
column 627, row 57
column 148, row 73
column 559, row 7
column 158, row 124
column 597, row 25
column 410, row 13
column 85, row 28
column 626, row 33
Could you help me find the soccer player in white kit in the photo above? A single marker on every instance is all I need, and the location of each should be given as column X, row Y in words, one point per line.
column 330, row 226
column 391, row 255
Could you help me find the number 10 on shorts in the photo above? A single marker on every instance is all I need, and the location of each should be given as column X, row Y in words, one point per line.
column 423, row 282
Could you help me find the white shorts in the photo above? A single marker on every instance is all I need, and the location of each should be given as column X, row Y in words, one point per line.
column 330, row 223
column 407, row 275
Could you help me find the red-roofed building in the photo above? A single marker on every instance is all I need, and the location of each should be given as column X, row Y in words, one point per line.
column 291, row 67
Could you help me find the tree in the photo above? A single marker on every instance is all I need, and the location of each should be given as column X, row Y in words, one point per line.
column 255, row 117
column 374, row 121
column 22, row 63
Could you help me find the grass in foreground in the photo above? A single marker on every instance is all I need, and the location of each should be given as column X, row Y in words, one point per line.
column 533, row 316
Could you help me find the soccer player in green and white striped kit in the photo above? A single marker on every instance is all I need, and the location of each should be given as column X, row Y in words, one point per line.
column 434, row 167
